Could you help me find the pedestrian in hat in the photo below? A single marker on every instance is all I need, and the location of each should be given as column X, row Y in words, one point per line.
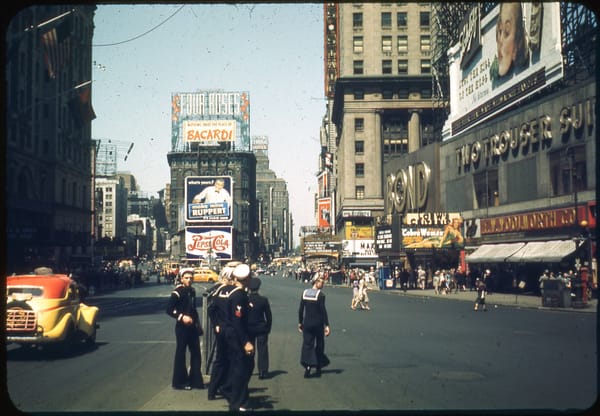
column 313, row 323
column 259, row 325
column 481, row 292
column 217, row 313
column 182, row 307
column 235, row 332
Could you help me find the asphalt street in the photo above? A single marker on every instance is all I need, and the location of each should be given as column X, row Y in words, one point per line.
column 412, row 352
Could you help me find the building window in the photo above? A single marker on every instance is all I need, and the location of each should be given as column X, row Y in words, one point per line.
column 395, row 146
column 360, row 192
column 424, row 19
column 357, row 43
column 359, row 170
column 386, row 20
column 486, row 188
column 425, row 66
column 402, row 20
column 403, row 44
column 358, row 67
column 357, row 20
column 568, row 172
column 426, row 94
column 359, row 147
column 402, row 67
column 388, row 93
column 386, row 66
column 386, row 44
column 425, row 44
column 359, row 124
column 359, row 94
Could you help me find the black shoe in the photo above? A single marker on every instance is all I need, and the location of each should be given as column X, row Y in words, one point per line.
column 262, row 375
column 198, row 387
column 307, row 372
column 211, row 397
column 182, row 387
column 318, row 372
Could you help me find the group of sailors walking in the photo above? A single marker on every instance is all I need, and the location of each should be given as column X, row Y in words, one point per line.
column 240, row 319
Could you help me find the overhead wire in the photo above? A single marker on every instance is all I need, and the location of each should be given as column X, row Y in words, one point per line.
column 142, row 34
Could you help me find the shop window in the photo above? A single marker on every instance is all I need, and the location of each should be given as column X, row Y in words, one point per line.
column 521, row 181
column 425, row 66
column 486, row 188
column 568, row 171
column 359, row 94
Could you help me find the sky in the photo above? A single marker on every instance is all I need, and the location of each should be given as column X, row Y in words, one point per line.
column 144, row 53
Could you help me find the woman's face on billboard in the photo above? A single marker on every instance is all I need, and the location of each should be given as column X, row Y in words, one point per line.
column 505, row 36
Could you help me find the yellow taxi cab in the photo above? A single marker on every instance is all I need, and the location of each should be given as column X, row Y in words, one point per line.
column 204, row 274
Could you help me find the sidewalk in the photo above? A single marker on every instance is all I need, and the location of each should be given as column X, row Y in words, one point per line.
column 495, row 299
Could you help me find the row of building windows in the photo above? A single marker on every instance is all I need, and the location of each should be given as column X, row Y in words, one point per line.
column 401, row 94
column 387, row 21
column 387, row 66
column 387, row 44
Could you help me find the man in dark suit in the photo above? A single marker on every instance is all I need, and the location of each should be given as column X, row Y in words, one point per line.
column 259, row 326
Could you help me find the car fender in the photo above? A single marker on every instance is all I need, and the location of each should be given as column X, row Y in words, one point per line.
column 87, row 318
column 59, row 332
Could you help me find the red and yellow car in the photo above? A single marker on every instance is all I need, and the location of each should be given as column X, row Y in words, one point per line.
column 47, row 309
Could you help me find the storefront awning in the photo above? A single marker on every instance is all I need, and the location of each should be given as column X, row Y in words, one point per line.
column 544, row 251
column 493, row 253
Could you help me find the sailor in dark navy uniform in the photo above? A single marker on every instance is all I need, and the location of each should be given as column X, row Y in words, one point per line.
column 217, row 312
column 260, row 321
column 234, row 327
column 182, row 307
column 313, row 323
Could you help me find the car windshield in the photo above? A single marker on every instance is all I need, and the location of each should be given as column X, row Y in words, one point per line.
column 34, row 291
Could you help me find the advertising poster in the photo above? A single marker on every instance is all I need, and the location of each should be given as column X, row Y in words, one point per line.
column 501, row 58
column 204, row 243
column 208, row 198
column 324, row 212
column 430, row 231
column 209, row 132
column 359, row 248
column 210, row 117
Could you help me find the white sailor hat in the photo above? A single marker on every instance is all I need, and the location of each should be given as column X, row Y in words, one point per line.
column 241, row 272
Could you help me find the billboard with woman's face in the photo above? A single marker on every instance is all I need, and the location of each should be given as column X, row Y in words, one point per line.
column 501, row 58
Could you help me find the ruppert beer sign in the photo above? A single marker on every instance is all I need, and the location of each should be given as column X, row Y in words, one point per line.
column 208, row 199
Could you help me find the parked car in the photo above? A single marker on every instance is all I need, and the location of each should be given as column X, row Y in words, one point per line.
column 204, row 274
column 48, row 309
